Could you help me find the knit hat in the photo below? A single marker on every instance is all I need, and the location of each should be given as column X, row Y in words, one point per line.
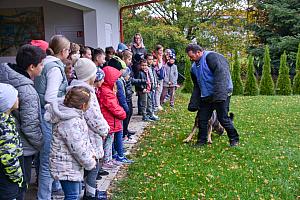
column 172, row 55
column 117, row 63
column 8, row 97
column 85, row 69
column 126, row 72
column 100, row 74
column 40, row 43
column 122, row 47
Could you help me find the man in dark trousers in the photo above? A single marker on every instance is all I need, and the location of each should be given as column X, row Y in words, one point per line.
column 212, row 91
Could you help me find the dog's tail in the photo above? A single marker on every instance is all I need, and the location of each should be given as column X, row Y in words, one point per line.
column 231, row 116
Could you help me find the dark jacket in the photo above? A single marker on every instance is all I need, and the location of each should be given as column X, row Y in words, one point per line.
column 121, row 94
column 11, row 154
column 28, row 116
column 110, row 108
column 211, row 74
column 143, row 77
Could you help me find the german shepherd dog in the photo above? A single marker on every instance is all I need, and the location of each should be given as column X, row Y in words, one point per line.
column 213, row 125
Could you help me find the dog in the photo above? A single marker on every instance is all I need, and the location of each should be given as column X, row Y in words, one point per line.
column 213, row 125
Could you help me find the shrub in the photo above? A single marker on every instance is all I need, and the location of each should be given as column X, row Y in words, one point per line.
column 283, row 86
column 266, row 82
column 236, row 76
column 251, row 88
column 188, row 84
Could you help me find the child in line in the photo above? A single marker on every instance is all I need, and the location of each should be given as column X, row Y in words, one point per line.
column 98, row 56
column 144, row 92
column 11, row 153
column 170, row 80
column 86, row 52
column 86, row 74
column 71, row 150
column 112, row 112
column 159, row 51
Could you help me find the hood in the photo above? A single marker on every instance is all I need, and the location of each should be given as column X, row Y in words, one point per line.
column 10, row 76
column 111, row 76
column 49, row 59
column 57, row 111
column 76, row 82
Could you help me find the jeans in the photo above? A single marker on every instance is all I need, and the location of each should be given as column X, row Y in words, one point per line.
column 71, row 189
column 107, row 147
column 90, row 181
column 146, row 104
column 118, row 143
column 222, row 109
column 45, row 179
column 127, row 120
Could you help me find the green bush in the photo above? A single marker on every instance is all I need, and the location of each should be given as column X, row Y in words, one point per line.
column 251, row 88
column 296, row 82
column 236, row 76
column 283, row 86
column 266, row 82
column 188, row 83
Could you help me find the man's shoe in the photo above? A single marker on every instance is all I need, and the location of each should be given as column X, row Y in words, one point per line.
column 234, row 143
column 200, row 145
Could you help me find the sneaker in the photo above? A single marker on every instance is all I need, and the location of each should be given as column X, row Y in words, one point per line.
column 131, row 132
column 154, row 118
column 130, row 140
column 124, row 160
column 234, row 143
column 160, row 108
column 147, row 119
column 102, row 172
column 108, row 166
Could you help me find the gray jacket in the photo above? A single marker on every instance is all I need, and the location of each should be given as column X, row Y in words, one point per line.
column 71, row 150
column 171, row 75
column 28, row 116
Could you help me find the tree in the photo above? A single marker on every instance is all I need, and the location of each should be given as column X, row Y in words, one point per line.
column 188, row 84
column 236, row 76
column 283, row 86
column 296, row 82
column 277, row 24
column 251, row 88
column 266, row 82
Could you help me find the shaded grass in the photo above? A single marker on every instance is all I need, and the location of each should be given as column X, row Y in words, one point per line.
column 266, row 165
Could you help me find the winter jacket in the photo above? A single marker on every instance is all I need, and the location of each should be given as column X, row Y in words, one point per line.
column 11, row 175
column 28, row 116
column 171, row 75
column 143, row 77
column 121, row 94
column 110, row 108
column 153, row 77
column 211, row 74
column 71, row 150
column 44, row 84
column 98, row 126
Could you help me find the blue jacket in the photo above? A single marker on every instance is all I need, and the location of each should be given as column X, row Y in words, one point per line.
column 212, row 77
column 121, row 94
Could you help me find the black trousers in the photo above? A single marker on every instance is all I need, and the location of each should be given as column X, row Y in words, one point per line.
column 222, row 108
column 26, row 165
column 127, row 120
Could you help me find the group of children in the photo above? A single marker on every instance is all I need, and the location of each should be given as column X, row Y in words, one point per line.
column 71, row 106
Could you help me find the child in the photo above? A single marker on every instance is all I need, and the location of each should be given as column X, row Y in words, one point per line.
column 86, row 52
column 159, row 51
column 110, row 52
column 71, row 150
column 98, row 127
column 11, row 152
column 144, row 92
column 112, row 112
column 170, row 80
column 69, row 70
column 98, row 57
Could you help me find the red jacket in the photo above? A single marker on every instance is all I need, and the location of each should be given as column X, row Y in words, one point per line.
column 110, row 108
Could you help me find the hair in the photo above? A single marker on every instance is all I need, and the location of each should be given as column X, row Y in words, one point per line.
column 158, row 47
column 76, row 97
column 142, row 61
column 84, row 49
column 29, row 55
column 148, row 55
column 126, row 54
column 194, row 48
column 57, row 43
column 74, row 48
column 97, row 52
column 67, row 62
column 110, row 50
column 137, row 34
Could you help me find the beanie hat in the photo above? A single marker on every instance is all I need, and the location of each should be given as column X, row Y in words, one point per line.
column 85, row 69
column 117, row 63
column 100, row 74
column 8, row 97
column 122, row 47
column 172, row 55
column 40, row 43
column 126, row 72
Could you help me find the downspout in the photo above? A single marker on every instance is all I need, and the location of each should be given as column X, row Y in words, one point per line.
column 131, row 6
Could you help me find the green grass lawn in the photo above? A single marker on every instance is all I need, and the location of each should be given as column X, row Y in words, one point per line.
column 266, row 165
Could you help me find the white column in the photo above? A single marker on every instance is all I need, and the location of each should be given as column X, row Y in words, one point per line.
column 90, row 28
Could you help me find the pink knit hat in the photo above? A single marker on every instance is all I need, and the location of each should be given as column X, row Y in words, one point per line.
column 40, row 43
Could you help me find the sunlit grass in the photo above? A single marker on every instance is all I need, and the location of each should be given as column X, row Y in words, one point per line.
column 266, row 165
